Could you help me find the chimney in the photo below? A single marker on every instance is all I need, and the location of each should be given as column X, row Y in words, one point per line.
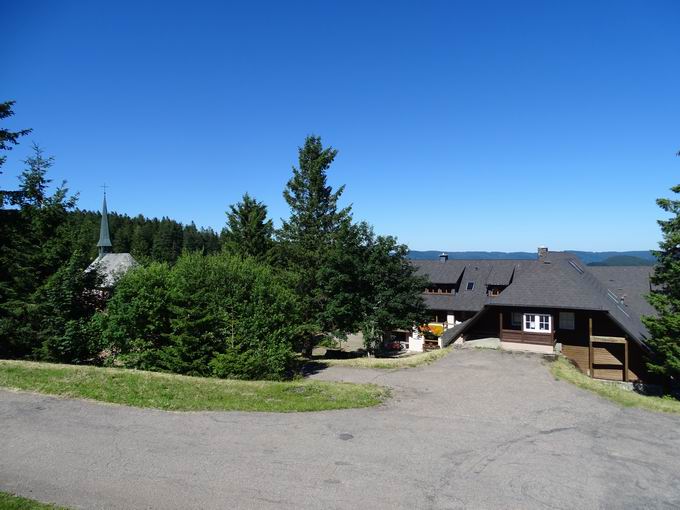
column 443, row 257
column 542, row 252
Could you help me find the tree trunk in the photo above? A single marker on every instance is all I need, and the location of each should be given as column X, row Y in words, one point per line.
column 308, row 345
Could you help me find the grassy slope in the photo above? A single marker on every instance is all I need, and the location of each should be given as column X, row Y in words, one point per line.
column 563, row 369
column 11, row 502
column 182, row 393
column 412, row 361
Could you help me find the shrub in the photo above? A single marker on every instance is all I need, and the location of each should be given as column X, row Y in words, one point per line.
column 217, row 315
column 67, row 303
column 136, row 322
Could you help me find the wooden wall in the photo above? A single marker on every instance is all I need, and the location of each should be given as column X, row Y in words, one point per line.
column 579, row 354
column 608, row 359
column 575, row 343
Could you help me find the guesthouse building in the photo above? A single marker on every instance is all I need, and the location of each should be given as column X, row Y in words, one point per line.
column 555, row 303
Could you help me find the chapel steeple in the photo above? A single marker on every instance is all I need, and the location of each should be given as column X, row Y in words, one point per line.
column 104, row 243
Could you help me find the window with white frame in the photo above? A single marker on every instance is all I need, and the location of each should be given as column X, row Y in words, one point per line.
column 537, row 322
column 567, row 320
column 516, row 319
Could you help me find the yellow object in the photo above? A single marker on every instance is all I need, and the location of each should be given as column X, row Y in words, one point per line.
column 436, row 328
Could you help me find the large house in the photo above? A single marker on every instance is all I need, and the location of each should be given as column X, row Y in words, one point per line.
column 554, row 303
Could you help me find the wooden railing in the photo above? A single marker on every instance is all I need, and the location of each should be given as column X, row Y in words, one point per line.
column 603, row 364
column 526, row 337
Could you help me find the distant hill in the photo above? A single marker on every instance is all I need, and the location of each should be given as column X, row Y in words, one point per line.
column 623, row 260
column 635, row 258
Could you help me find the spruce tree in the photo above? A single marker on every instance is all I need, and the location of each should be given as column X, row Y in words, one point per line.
column 248, row 231
column 168, row 241
column 35, row 243
column 665, row 328
column 308, row 238
column 9, row 138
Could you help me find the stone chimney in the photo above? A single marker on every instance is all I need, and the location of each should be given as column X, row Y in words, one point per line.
column 542, row 252
column 443, row 257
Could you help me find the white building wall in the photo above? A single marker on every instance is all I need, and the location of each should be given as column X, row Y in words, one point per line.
column 415, row 341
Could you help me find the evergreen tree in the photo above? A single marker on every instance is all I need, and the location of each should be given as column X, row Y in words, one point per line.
column 308, row 237
column 665, row 329
column 248, row 231
column 7, row 140
column 142, row 238
column 66, row 304
column 36, row 242
column 211, row 241
column 192, row 240
column 167, row 241
column 391, row 291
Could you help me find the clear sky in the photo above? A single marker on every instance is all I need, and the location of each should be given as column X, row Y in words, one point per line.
column 460, row 125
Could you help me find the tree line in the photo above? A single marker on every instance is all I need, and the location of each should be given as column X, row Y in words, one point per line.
column 240, row 303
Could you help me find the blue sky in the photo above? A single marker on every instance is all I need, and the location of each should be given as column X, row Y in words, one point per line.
column 460, row 125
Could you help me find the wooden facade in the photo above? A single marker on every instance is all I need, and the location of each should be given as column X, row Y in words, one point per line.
column 596, row 345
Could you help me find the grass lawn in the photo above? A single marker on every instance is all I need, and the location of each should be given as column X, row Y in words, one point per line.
column 182, row 393
column 414, row 360
column 563, row 369
column 11, row 502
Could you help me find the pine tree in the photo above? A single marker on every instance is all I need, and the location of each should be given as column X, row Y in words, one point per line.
column 665, row 328
column 248, row 231
column 308, row 238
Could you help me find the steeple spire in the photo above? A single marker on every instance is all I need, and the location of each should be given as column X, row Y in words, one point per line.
column 104, row 243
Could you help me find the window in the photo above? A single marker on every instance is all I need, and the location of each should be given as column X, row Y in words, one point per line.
column 516, row 319
column 437, row 316
column 539, row 323
column 567, row 320
column 439, row 289
column 470, row 285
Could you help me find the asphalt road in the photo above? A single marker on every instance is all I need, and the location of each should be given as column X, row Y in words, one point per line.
column 479, row 429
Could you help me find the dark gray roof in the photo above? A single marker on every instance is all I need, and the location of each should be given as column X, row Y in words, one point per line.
column 104, row 237
column 479, row 272
column 630, row 283
column 552, row 282
column 111, row 266
column 440, row 272
column 501, row 274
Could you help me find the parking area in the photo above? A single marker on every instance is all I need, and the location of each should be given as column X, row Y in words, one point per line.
column 477, row 429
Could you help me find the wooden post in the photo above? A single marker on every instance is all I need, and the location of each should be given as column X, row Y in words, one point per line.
column 500, row 325
column 625, row 361
column 590, row 345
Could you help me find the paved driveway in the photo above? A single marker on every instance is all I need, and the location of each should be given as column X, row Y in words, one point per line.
column 479, row 429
